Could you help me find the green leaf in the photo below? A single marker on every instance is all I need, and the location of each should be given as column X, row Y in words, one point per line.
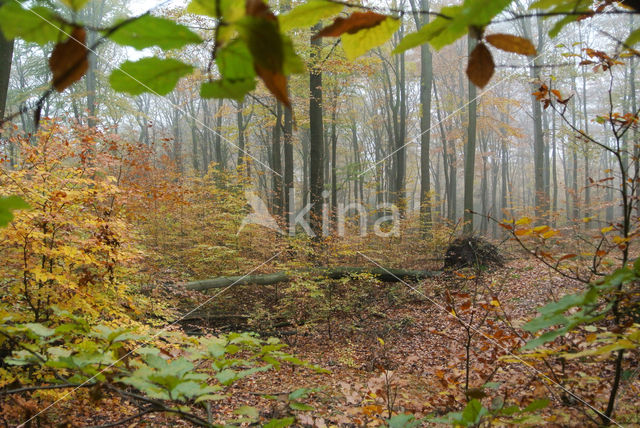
column 471, row 14
column 75, row 4
column 231, row 10
column 280, row 423
column 424, row 35
column 249, row 411
column 40, row 330
column 38, row 24
column 227, row 376
column 633, row 38
column 149, row 30
column 360, row 42
column 439, row 32
column 9, row 204
column 211, row 397
column 403, row 420
column 510, row 410
column 216, row 349
column 537, row 405
column 492, row 385
column 297, row 405
column 474, row 411
column 545, row 4
column 155, row 75
column 235, row 64
column 308, row 14
column 299, row 393
column 293, row 64
column 558, row 26
column 235, row 61
column 227, row 88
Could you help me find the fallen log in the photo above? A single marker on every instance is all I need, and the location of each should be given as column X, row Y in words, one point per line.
column 384, row 275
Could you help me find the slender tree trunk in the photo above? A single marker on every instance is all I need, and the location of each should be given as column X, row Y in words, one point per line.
column 426, row 81
column 587, row 184
column 316, row 155
column 276, row 162
column 6, row 56
column 504, row 179
column 470, row 152
column 217, row 143
column 554, row 169
column 401, row 151
column 288, row 164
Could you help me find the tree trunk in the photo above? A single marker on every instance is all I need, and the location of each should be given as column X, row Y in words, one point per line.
column 470, row 153
column 288, row 165
column 426, row 81
column 276, row 163
column 384, row 275
column 6, row 56
column 316, row 155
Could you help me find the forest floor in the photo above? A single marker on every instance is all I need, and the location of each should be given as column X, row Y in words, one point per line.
column 406, row 353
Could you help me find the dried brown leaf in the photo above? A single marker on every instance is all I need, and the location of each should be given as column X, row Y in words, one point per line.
column 352, row 24
column 68, row 61
column 510, row 43
column 481, row 66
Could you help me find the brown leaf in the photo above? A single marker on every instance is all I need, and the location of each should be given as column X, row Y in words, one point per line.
column 259, row 9
column 481, row 66
column 276, row 83
column 68, row 61
column 510, row 43
column 352, row 24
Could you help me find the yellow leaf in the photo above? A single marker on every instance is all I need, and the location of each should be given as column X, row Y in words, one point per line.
column 523, row 220
column 586, row 219
column 381, row 341
column 540, row 229
column 606, row 229
column 358, row 43
column 495, row 303
column 618, row 239
column 549, row 234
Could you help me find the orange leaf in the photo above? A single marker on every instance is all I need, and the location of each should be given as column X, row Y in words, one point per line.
column 567, row 256
column 481, row 66
column 522, row 232
column 352, row 24
column 68, row 61
column 276, row 82
column 601, row 253
column 510, row 43
column 556, row 93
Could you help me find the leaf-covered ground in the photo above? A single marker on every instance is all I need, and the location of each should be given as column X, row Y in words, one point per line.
column 398, row 349
column 404, row 352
